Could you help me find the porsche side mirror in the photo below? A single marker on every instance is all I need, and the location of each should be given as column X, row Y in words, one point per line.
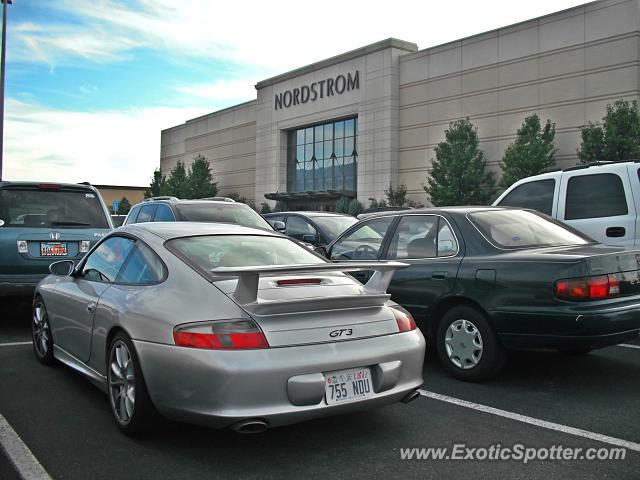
column 63, row 268
column 279, row 226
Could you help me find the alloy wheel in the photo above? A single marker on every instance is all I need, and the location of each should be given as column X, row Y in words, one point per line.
column 41, row 330
column 122, row 382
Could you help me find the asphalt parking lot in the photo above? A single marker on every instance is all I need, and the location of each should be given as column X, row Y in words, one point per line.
column 540, row 400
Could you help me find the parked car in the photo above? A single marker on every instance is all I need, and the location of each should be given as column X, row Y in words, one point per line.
column 483, row 279
column 602, row 201
column 214, row 209
column 224, row 325
column 315, row 228
column 44, row 221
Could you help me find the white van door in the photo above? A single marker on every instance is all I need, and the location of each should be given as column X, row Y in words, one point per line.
column 634, row 180
column 599, row 204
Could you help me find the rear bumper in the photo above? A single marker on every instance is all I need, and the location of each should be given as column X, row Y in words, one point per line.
column 575, row 326
column 19, row 284
column 220, row 388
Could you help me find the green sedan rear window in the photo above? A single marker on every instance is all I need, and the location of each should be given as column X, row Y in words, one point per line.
column 212, row 251
column 523, row 229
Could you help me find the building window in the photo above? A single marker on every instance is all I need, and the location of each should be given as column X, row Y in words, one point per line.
column 323, row 157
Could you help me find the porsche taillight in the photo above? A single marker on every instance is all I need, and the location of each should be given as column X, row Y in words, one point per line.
column 223, row 335
column 588, row 288
column 405, row 321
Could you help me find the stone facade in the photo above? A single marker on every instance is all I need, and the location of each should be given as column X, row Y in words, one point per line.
column 566, row 67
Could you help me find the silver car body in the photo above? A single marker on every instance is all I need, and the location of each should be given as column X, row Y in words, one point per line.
column 281, row 384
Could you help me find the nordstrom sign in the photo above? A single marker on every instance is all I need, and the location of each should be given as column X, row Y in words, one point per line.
column 319, row 89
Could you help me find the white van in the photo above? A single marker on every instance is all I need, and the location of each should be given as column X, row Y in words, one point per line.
column 601, row 200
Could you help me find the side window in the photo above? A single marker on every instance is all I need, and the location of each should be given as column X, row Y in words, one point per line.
column 143, row 267
column 364, row 242
column 415, row 237
column 163, row 214
column 537, row 195
column 447, row 243
column 105, row 262
column 595, row 196
column 133, row 214
column 297, row 227
column 146, row 214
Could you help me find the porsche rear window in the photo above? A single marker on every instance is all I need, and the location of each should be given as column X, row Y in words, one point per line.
column 523, row 229
column 212, row 251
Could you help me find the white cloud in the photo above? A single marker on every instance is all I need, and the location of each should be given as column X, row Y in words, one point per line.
column 104, row 147
column 241, row 89
column 276, row 35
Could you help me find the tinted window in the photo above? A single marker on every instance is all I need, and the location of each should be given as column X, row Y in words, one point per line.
column 522, row 229
column 273, row 220
column 212, row 251
column 297, row 227
column 51, row 208
column 131, row 218
column 447, row 243
column 146, row 214
column 238, row 214
column 594, row 196
column 105, row 262
column 163, row 214
column 364, row 242
column 334, row 225
column 415, row 237
column 143, row 267
column 537, row 195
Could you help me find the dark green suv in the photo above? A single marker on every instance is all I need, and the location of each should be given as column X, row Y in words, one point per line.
column 44, row 222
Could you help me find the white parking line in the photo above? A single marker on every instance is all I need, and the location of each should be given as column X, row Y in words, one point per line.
column 627, row 345
column 14, row 344
column 19, row 454
column 533, row 421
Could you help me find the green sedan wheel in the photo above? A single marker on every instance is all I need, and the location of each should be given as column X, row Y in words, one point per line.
column 467, row 346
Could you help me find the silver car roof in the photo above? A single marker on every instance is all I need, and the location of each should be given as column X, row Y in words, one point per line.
column 169, row 230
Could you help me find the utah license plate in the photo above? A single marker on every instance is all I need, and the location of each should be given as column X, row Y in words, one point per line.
column 348, row 385
column 53, row 249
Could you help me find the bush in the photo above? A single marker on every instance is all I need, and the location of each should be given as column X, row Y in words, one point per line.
column 342, row 205
column 265, row 208
column 355, row 207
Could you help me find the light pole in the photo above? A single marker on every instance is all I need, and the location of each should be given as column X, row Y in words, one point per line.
column 4, row 41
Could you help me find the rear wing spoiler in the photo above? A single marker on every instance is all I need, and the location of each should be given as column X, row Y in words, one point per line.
column 246, row 291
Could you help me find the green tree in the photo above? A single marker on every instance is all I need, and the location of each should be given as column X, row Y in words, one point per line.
column 616, row 139
column 397, row 197
column 531, row 153
column 265, row 208
column 342, row 205
column 459, row 173
column 355, row 207
column 124, row 206
column 199, row 180
column 158, row 186
column 178, row 184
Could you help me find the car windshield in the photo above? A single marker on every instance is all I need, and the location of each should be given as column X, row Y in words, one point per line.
column 523, row 229
column 214, row 212
column 212, row 251
column 39, row 208
column 334, row 225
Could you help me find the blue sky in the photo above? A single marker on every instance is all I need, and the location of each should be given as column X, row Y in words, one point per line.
column 90, row 83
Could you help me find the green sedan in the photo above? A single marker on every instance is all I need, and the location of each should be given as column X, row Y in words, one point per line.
column 486, row 279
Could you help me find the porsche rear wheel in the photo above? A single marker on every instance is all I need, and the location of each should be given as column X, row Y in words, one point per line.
column 467, row 346
column 41, row 333
column 131, row 405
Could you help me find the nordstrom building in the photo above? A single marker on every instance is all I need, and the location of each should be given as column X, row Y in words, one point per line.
column 353, row 124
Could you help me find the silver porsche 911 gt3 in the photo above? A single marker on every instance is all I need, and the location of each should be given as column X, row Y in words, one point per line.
column 224, row 325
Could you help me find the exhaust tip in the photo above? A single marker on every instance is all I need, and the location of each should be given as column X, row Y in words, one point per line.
column 411, row 396
column 250, row 426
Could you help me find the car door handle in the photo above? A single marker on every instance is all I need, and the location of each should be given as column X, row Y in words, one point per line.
column 91, row 308
column 616, row 232
column 438, row 275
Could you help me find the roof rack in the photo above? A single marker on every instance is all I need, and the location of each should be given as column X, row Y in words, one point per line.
column 163, row 197
column 599, row 163
column 219, row 199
